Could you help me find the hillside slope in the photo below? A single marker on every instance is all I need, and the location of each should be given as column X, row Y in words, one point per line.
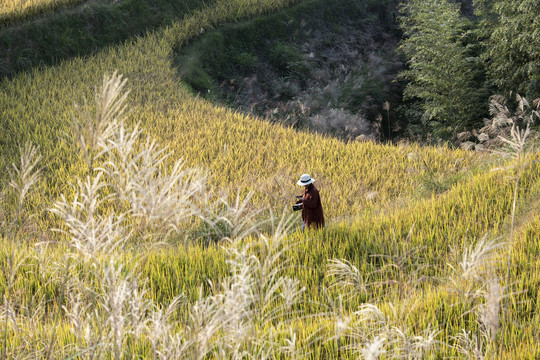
column 404, row 216
column 241, row 152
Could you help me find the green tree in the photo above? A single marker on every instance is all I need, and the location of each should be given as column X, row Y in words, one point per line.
column 513, row 44
column 445, row 71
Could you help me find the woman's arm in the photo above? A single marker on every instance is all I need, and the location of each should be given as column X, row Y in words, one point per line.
column 310, row 199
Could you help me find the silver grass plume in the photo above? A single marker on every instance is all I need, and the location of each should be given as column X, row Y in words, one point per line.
column 25, row 175
column 476, row 259
column 23, row 178
column 346, row 275
column 158, row 198
column 490, row 310
column 470, row 345
column 89, row 231
column 523, row 153
column 236, row 221
column 230, row 321
column 374, row 349
column 90, row 127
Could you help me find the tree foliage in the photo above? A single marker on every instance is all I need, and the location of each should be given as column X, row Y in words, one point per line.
column 513, row 51
column 445, row 72
column 457, row 59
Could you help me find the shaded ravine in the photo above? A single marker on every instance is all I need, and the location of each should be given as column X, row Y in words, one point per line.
column 328, row 66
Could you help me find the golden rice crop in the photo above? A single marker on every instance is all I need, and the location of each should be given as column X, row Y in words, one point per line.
column 384, row 217
column 19, row 8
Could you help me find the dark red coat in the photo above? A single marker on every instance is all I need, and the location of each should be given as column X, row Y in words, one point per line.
column 312, row 212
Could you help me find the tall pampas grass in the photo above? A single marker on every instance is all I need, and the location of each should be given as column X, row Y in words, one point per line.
column 474, row 261
column 236, row 221
column 23, row 179
column 131, row 188
column 132, row 191
column 346, row 276
column 519, row 148
column 89, row 231
column 471, row 345
column 92, row 125
column 25, row 175
column 371, row 333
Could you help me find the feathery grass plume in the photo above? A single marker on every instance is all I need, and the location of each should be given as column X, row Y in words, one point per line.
column 223, row 322
column 349, row 331
column 346, row 275
column 266, row 259
column 470, row 345
column 342, row 323
column 204, row 325
column 114, row 297
column 26, row 175
column 291, row 347
column 370, row 333
column 122, row 150
column 518, row 145
column 498, row 109
column 404, row 345
column 518, row 149
column 474, row 272
column 271, row 261
column 232, row 223
column 93, row 126
column 159, row 199
column 240, row 318
column 291, row 290
column 474, row 281
column 372, row 316
column 372, row 350
column 76, row 313
column 155, row 322
column 490, row 310
column 403, row 267
column 478, row 284
column 371, row 323
column 163, row 200
column 120, row 317
column 90, row 232
column 23, row 177
column 476, row 259
column 158, row 324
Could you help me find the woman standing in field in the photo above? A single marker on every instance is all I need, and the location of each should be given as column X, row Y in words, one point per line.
column 312, row 211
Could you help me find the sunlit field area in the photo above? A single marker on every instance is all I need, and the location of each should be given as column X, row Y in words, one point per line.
column 138, row 220
column 24, row 8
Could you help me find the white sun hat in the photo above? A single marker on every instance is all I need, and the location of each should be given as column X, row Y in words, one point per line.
column 305, row 180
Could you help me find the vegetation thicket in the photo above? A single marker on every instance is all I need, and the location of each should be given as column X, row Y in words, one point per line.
column 490, row 47
column 327, row 66
column 146, row 222
column 444, row 71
